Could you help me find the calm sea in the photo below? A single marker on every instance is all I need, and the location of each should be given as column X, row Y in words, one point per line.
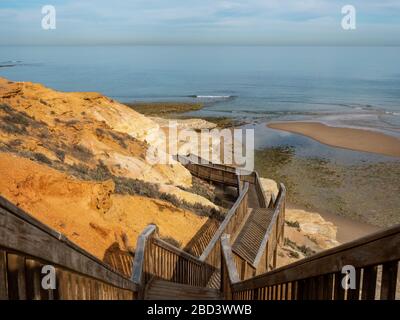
column 347, row 86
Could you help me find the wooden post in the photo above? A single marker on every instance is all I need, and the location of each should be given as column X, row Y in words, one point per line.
column 3, row 276
column 389, row 280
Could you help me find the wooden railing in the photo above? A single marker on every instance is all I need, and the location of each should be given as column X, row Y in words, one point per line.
column 142, row 269
column 194, row 159
column 211, row 173
column 262, row 199
column 200, row 241
column 178, row 266
column 375, row 259
column 266, row 256
column 231, row 223
column 155, row 258
column 26, row 245
column 265, row 259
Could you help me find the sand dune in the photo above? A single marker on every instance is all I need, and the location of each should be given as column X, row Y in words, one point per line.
column 348, row 138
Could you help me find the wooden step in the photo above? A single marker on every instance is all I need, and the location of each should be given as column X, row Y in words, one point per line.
column 166, row 290
column 215, row 280
column 248, row 241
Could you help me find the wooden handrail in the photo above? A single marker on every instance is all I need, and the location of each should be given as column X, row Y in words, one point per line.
column 203, row 266
column 295, row 281
column 253, row 178
column 262, row 199
column 229, row 272
column 277, row 211
column 228, row 259
column 224, row 224
column 138, row 267
column 179, row 252
column 194, row 159
column 176, row 265
column 29, row 244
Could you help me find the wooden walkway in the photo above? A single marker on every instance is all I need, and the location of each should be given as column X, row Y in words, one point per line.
column 249, row 240
column 237, row 263
column 167, row 290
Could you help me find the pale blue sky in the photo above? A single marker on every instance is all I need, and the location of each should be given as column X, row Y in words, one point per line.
column 254, row 22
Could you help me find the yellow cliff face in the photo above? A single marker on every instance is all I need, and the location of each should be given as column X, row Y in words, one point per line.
column 93, row 126
column 90, row 213
column 77, row 162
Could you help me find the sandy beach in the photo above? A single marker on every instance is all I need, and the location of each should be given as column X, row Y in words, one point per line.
column 348, row 138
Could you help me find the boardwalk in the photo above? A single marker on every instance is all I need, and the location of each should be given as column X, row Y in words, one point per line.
column 237, row 259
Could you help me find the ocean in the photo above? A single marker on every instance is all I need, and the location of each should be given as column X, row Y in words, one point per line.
column 351, row 86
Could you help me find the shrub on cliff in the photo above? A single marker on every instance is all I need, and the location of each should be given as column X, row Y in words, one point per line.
column 81, row 152
column 151, row 190
column 172, row 241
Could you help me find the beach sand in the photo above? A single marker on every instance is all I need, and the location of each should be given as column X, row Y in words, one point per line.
column 348, row 138
column 348, row 229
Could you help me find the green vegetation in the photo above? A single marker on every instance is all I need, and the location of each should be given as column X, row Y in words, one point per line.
column 201, row 188
column 164, row 108
column 80, row 152
column 151, row 190
column 120, row 138
column 303, row 249
column 137, row 187
column 172, row 241
column 41, row 158
column 293, row 224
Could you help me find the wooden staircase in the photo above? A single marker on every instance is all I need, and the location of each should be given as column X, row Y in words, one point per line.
column 249, row 240
column 215, row 280
column 166, row 290
column 241, row 267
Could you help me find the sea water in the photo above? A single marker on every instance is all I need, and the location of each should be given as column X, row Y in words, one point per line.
column 347, row 86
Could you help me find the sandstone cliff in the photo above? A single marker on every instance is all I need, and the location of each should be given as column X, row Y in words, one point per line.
column 77, row 161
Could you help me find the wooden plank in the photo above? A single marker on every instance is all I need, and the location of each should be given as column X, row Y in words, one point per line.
column 33, row 279
column 328, row 286
column 224, row 224
column 369, row 283
column 16, row 276
column 274, row 219
column 172, row 249
column 3, row 276
column 229, row 260
column 354, row 294
column 63, row 285
column 23, row 236
column 389, row 280
column 338, row 291
column 300, row 294
column 371, row 250
column 138, row 261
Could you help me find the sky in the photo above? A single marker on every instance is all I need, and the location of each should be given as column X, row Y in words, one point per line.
column 203, row 22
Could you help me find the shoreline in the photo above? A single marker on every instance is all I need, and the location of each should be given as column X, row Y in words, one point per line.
column 347, row 229
column 341, row 137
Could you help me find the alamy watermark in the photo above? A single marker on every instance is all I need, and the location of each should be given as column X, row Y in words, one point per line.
column 349, row 280
column 349, row 21
column 49, row 279
column 49, row 18
column 219, row 146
